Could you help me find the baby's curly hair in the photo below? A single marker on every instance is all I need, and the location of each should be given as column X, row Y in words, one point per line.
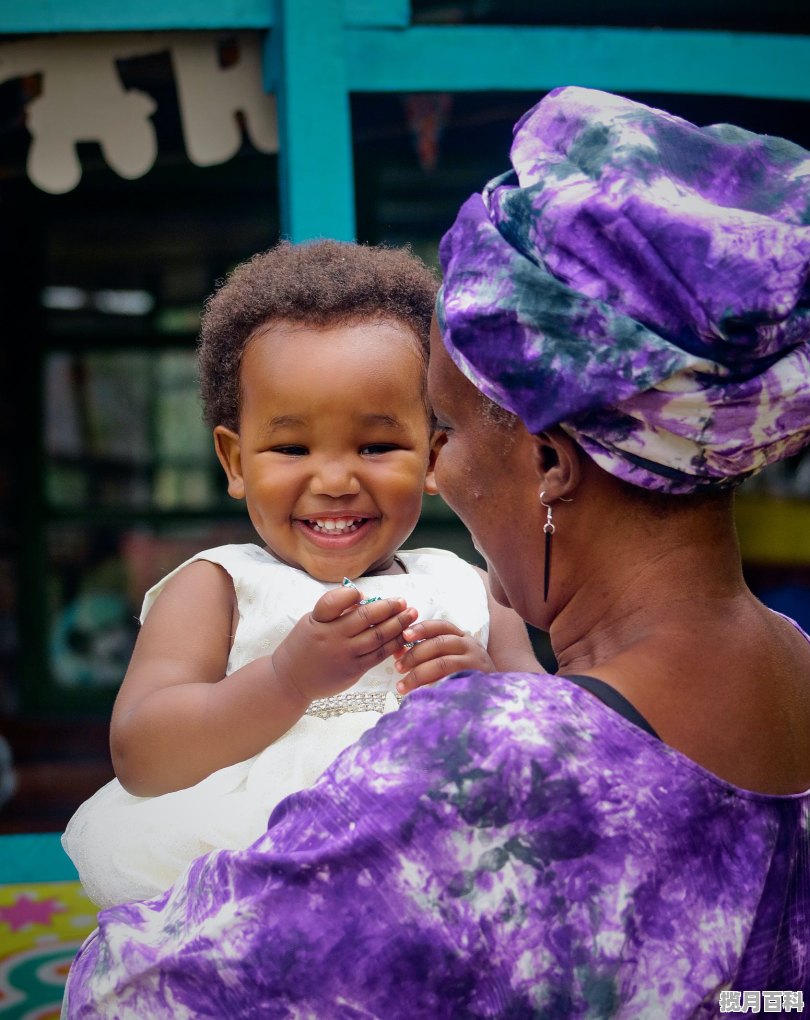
column 318, row 284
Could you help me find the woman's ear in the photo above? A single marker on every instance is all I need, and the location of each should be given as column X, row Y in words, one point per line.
column 437, row 441
column 558, row 463
column 226, row 443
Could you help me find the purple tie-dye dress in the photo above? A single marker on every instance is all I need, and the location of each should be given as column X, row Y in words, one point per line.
column 503, row 846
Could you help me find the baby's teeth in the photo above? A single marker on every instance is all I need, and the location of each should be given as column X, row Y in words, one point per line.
column 340, row 524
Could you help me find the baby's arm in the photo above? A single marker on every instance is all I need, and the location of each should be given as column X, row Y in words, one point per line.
column 175, row 722
column 509, row 644
column 443, row 648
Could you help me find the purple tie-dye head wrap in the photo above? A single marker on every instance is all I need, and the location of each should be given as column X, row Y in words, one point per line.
column 643, row 283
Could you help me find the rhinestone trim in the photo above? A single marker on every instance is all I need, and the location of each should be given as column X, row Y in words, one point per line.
column 358, row 701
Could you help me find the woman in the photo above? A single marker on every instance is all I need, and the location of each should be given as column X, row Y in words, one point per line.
column 633, row 299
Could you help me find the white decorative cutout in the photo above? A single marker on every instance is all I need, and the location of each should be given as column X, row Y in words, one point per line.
column 210, row 97
column 84, row 99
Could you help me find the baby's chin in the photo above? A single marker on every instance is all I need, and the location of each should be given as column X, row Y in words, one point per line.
column 327, row 574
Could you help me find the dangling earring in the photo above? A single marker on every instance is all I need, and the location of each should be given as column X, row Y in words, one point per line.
column 548, row 530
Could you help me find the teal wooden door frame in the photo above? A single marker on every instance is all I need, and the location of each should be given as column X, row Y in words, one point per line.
column 320, row 51
column 307, row 71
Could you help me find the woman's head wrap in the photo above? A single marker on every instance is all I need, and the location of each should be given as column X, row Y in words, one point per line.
column 643, row 283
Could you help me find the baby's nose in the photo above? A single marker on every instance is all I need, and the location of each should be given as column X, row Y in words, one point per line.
column 335, row 477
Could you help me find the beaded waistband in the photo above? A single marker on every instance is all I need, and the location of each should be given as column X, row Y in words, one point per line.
column 351, row 701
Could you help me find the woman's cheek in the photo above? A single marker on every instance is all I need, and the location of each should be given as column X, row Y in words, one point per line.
column 443, row 473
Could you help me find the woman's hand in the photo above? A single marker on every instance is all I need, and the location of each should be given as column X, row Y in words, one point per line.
column 331, row 648
column 440, row 649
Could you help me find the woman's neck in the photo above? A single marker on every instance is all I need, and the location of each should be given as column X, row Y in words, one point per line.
column 675, row 629
column 678, row 578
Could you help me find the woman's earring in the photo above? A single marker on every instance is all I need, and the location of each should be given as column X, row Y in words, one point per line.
column 548, row 530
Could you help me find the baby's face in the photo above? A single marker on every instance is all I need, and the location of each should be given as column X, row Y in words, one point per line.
column 333, row 444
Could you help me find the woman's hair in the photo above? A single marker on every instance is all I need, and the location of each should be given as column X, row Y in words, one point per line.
column 320, row 284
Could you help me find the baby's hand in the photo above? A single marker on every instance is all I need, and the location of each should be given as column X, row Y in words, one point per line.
column 332, row 647
column 440, row 649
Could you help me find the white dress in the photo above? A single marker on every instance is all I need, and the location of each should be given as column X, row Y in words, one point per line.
column 130, row 848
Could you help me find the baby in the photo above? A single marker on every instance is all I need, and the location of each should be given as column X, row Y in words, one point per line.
column 256, row 664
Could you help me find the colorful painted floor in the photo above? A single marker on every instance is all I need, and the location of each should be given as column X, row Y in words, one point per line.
column 42, row 926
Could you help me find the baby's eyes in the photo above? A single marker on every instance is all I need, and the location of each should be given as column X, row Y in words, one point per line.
column 372, row 449
column 377, row 448
column 291, row 451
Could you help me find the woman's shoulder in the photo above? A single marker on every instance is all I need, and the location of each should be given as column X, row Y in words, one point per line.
column 794, row 624
column 534, row 724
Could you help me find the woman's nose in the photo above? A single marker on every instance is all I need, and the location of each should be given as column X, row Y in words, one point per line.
column 335, row 477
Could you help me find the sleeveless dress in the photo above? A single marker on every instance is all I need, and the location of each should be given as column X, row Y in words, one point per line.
column 130, row 848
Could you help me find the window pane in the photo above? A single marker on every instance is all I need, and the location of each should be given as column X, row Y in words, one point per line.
column 124, row 428
column 92, row 623
column 97, row 578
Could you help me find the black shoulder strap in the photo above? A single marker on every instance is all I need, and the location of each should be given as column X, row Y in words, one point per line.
column 611, row 697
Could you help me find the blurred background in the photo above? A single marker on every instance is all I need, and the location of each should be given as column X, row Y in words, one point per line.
column 136, row 169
